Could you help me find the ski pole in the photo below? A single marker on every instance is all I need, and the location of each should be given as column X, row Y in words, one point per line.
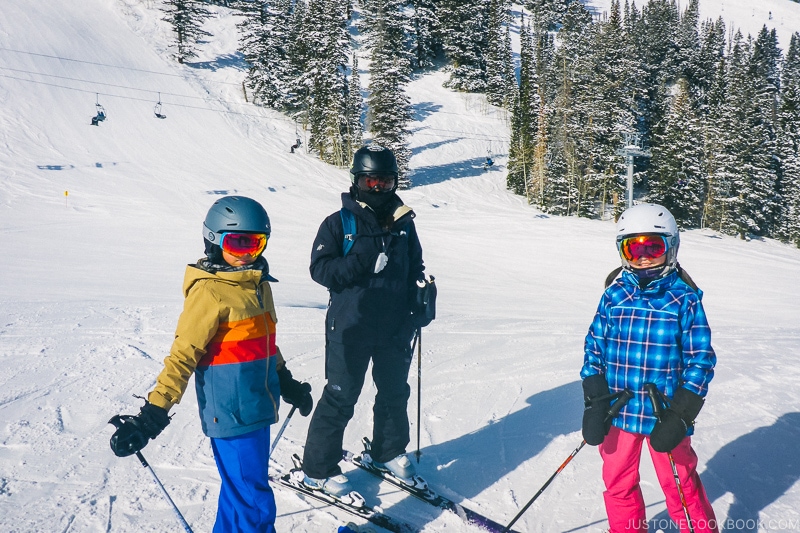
column 655, row 399
column 622, row 397
column 117, row 421
column 280, row 431
column 418, row 342
column 181, row 519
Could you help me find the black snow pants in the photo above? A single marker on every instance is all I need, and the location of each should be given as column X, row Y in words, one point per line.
column 345, row 371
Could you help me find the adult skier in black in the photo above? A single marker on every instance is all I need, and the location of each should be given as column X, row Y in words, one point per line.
column 372, row 289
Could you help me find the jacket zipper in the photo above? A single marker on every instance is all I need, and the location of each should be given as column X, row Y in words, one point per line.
column 266, row 328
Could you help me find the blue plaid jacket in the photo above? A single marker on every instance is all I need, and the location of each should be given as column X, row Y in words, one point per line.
column 657, row 335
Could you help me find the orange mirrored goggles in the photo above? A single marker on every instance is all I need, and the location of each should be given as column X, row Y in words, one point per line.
column 242, row 244
column 643, row 246
column 376, row 182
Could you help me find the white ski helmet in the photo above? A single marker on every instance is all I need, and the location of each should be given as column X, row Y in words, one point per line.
column 652, row 219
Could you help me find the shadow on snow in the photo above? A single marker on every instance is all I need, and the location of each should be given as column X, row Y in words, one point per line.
column 468, row 465
column 757, row 469
column 440, row 173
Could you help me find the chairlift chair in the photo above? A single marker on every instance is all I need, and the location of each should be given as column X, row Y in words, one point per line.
column 157, row 108
column 101, row 114
column 489, row 160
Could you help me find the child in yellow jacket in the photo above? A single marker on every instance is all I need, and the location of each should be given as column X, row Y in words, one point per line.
column 226, row 338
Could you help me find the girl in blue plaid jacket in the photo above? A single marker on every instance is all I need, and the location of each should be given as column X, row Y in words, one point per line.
column 649, row 332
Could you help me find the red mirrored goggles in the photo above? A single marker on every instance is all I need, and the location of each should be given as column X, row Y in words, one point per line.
column 242, row 244
column 376, row 182
column 643, row 246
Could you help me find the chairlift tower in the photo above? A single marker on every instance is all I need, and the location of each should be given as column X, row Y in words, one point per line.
column 631, row 147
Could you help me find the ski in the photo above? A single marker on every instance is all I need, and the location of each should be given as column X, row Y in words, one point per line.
column 293, row 481
column 422, row 491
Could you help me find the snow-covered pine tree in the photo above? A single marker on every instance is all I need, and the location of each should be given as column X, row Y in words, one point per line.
column 326, row 33
column 355, row 107
column 300, row 51
column 426, row 39
column 765, row 70
column 788, row 228
column 545, row 14
column 500, row 78
column 745, row 160
column 186, row 18
column 715, row 141
column 524, row 118
column 264, row 40
column 609, row 108
column 677, row 171
column 659, row 28
column 711, row 55
column 464, row 26
column 687, row 46
column 566, row 191
column 388, row 105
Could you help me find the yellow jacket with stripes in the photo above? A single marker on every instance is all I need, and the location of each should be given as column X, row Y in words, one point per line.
column 226, row 338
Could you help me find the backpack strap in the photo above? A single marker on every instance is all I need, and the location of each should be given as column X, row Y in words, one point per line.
column 686, row 277
column 349, row 228
column 612, row 276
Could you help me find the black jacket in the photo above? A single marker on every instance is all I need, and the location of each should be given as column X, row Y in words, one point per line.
column 367, row 308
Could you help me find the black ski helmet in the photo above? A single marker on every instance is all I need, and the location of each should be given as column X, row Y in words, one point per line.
column 234, row 214
column 373, row 159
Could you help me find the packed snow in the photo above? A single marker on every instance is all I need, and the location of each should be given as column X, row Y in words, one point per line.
column 99, row 222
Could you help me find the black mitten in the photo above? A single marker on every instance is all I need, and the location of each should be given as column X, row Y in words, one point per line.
column 295, row 393
column 675, row 421
column 134, row 432
column 597, row 402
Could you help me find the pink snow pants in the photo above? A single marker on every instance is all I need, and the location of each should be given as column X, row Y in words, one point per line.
column 621, row 452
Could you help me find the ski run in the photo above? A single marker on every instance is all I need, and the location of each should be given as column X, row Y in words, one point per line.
column 99, row 223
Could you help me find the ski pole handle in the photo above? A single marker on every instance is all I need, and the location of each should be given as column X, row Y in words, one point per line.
column 655, row 398
column 623, row 398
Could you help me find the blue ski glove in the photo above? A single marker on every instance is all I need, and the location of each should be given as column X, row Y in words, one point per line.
column 134, row 432
column 676, row 420
column 597, row 402
column 295, row 393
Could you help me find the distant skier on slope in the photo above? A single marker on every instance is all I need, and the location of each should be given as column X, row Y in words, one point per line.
column 372, row 290
column 650, row 327
column 226, row 337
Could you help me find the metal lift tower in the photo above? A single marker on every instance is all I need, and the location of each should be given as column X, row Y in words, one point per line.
column 631, row 147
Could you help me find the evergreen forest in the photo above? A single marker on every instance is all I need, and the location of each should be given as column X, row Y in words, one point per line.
column 712, row 115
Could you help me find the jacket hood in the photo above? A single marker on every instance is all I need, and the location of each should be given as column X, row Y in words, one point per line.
column 195, row 273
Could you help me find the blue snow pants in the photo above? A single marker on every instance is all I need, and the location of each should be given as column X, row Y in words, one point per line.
column 246, row 502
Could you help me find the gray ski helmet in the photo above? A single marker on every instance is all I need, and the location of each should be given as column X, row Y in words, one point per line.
column 235, row 214
column 373, row 159
column 650, row 219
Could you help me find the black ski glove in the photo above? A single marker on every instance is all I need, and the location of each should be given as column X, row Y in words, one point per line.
column 133, row 432
column 597, row 402
column 424, row 302
column 676, row 420
column 295, row 393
